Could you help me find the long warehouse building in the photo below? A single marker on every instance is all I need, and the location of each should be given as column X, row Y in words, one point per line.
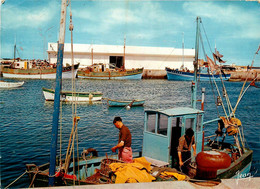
column 152, row 59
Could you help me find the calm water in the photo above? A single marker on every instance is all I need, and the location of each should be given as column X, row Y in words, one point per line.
column 26, row 119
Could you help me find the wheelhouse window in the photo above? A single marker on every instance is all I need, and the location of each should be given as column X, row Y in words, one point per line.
column 189, row 123
column 162, row 124
column 151, row 117
column 199, row 122
column 176, row 122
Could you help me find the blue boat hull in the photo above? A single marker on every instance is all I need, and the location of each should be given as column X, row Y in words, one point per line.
column 188, row 76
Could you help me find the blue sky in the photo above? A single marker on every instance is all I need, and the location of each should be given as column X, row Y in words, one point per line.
column 234, row 26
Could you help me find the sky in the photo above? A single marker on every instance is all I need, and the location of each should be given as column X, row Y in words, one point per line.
column 232, row 26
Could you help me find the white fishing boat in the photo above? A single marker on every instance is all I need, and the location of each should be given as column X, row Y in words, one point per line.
column 9, row 85
column 69, row 96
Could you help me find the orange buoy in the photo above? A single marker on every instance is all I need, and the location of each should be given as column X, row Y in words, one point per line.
column 208, row 162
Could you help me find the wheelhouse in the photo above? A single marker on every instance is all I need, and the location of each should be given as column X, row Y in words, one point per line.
column 163, row 128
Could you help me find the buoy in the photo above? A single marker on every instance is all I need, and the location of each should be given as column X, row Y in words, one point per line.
column 128, row 107
column 208, row 162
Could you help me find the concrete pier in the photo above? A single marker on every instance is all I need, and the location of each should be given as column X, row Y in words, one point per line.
column 243, row 183
column 241, row 75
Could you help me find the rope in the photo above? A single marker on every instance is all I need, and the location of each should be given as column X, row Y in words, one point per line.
column 228, row 102
column 240, row 97
column 60, row 133
column 34, row 176
column 16, row 180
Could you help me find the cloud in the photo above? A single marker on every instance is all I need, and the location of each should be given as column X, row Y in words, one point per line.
column 14, row 17
column 145, row 20
column 241, row 22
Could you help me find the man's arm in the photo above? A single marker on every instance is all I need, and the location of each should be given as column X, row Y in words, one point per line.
column 180, row 159
column 180, row 148
column 194, row 150
column 120, row 144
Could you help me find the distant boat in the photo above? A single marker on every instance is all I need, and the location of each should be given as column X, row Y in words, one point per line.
column 177, row 75
column 39, row 73
column 122, row 103
column 68, row 96
column 98, row 72
column 9, row 85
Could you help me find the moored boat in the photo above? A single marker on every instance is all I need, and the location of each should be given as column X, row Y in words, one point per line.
column 39, row 73
column 178, row 75
column 98, row 73
column 9, row 85
column 123, row 103
column 69, row 96
column 101, row 71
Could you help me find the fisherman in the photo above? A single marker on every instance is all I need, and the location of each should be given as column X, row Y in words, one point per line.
column 184, row 149
column 124, row 142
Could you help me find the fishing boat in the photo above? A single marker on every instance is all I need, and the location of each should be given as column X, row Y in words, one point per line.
column 124, row 103
column 162, row 129
column 178, row 75
column 100, row 71
column 9, row 85
column 39, row 73
column 207, row 70
column 96, row 72
column 69, row 96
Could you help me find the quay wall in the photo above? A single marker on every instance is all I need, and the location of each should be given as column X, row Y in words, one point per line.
column 241, row 75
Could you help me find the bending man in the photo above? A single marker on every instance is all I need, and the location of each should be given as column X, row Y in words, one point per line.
column 124, row 142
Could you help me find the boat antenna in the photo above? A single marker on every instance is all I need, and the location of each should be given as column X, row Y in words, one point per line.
column 194, row 83
column 182, row 66
column 58, row 88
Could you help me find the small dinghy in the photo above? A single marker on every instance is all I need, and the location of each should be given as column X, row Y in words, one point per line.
column 122, row 103
column 9, row 85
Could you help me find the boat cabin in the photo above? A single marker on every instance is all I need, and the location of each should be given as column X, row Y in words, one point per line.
column 163, row 128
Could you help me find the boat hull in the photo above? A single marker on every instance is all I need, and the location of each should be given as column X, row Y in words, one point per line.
column 117, row 103
column 49, row 73
column 9, row 85
column 188, row 76
column 135, row 74
column 67, row 96
column 238, row 169
column 87, row 168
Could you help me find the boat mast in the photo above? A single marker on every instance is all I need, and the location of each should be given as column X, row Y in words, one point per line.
column 194, row 83
column 56, row 113
column 14, row 49
column 124, row 56
column 182, row 50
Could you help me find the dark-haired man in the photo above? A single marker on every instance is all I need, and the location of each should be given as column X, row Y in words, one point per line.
column 124, row 141
column 184, row 149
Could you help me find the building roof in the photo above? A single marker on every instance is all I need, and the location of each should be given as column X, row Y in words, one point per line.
column 117, row 49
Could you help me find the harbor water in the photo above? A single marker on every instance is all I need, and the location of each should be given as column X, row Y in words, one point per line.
column 26, row 119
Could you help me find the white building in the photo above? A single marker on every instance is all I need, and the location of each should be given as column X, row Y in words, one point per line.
column 152, row 59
